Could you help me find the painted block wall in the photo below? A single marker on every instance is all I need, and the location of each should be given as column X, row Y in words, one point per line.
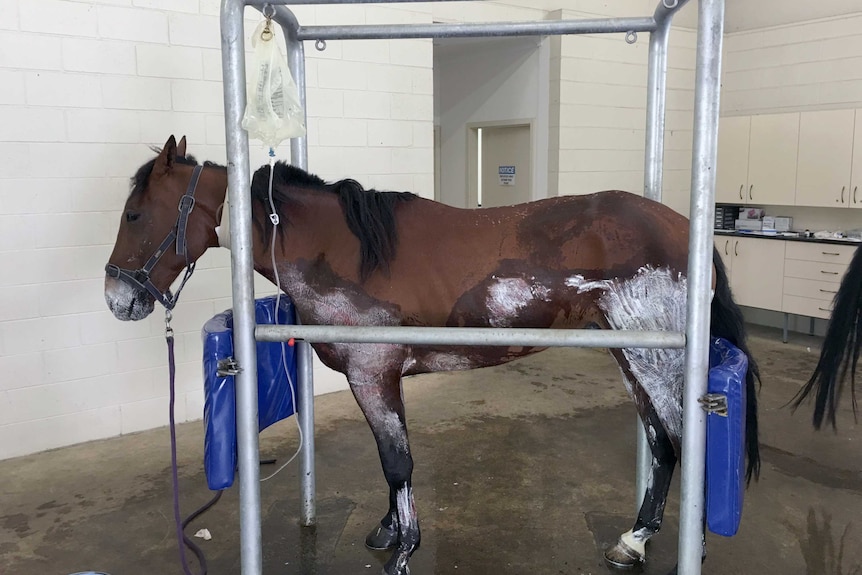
column 85, row 88
column 599, row 125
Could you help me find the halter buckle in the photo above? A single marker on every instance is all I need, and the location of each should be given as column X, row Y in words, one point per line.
column 187, row 204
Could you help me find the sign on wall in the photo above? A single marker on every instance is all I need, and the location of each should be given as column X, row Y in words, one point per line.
column 506, row 175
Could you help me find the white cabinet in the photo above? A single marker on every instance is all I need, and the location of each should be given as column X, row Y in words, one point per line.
column 772, row 155
column 812, row 275
column 856, row 172
column 757, row 159
column 756, row 270
column 731, row 176
column 825, row 158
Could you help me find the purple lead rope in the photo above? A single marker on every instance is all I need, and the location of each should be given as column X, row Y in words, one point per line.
column 169, row 337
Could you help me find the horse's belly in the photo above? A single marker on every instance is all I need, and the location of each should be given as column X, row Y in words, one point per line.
column 459, row 358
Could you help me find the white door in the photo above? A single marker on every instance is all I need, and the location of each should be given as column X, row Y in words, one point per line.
column 506, row 176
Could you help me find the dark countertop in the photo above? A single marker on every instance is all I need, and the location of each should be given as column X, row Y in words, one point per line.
column 778, row 236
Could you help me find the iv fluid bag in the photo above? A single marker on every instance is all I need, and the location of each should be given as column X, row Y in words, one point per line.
column 273, row 113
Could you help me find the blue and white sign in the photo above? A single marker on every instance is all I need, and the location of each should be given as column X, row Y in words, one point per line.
column 507, row 175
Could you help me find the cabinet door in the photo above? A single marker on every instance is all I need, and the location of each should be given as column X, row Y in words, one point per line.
column 825, row 156
column 856, row 172
column 732, row 171
column 758, row 272
column 724, row 245
column 773, row 146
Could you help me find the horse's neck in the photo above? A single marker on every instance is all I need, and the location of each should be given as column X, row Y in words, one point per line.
column 312, row 232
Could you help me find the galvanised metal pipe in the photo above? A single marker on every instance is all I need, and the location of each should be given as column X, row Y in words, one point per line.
column 305, row 358
column 653, row 171
column 666, row 9
column 482, row 30
column 262, row 3
column 483, row 336
column 239, row 176
column 704, row 157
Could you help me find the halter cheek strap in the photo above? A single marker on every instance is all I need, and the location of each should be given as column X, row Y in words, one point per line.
column 140, row 278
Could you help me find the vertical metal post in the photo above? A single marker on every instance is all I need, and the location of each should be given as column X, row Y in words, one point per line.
column 653, row 169
column 305, row 366
column 239, row 176
column 704, row 154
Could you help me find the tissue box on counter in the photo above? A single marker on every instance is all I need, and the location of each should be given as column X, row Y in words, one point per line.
column 749, row 225
column 751, row 214
column 777, row 223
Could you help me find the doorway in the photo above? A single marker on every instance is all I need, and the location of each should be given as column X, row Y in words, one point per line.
column 499, row 167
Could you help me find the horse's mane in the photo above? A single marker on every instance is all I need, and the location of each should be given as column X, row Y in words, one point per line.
column 369, row 214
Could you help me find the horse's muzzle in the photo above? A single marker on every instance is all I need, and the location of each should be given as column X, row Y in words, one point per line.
column 126, row 302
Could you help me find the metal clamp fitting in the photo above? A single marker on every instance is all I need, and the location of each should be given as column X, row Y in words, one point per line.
column 714, row 403
column 228, row 366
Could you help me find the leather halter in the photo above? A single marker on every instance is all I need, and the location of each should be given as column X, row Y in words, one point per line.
column 140, row 278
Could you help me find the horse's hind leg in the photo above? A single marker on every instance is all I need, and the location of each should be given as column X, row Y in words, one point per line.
column 630, row 549
column 382, row 404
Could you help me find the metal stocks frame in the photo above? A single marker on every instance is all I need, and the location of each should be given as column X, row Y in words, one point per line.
column 704, row 151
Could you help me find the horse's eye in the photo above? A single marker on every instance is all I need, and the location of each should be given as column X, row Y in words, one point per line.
column 132, row 216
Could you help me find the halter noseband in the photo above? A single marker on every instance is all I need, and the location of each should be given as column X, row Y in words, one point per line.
column 140, row 278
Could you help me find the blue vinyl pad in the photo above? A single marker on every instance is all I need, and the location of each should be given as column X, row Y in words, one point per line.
column 273, row 384
column 725, row 439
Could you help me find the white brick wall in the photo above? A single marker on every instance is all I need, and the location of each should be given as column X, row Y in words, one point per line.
column 600, row 131
column 809, row 66
column 85, row 88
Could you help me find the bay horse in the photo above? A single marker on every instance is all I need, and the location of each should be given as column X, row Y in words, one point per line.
column 839, row 353
column 349, row 256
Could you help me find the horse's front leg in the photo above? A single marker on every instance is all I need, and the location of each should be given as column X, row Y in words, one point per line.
column 630, row 549
column 381, row 401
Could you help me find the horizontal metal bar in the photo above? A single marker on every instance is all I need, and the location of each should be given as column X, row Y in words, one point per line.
column 478, row 30
column 321, row 2
column 472, row 336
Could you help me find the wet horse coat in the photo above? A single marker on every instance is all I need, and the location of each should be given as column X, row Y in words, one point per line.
column 347, row 256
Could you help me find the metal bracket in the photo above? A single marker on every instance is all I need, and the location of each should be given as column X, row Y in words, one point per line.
column 714, row 403
column 228, row 366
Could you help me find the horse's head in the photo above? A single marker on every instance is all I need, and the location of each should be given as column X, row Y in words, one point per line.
column 168, row 222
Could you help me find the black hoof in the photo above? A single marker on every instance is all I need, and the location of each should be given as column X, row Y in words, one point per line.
column 623, row 557
column 381, row 538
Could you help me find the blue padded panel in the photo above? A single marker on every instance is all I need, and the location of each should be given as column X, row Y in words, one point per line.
column 725, row 439
column 274, row 394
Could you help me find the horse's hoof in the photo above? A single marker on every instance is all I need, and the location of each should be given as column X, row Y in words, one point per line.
column 381, row 538
column 621, row 556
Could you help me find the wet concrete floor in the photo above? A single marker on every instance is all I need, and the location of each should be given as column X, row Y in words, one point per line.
column 523, row 468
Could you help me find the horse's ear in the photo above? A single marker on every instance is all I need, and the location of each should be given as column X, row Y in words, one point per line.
column 181, row 148
column 166, row 158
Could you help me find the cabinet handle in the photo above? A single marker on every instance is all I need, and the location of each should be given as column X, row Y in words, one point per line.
column 830, row 253
column 735, row 247
column 726, row 242
column 750, row 190
column 842, row 193
column 829, row 273
column 824, row 309
column 740, row 190
column 827, row 291
column 854, row 193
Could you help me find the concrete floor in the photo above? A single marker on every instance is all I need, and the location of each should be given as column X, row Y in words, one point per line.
column 523, row 468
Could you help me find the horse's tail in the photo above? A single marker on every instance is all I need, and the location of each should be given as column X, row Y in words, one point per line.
column 840, row 351
column 727, row 322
